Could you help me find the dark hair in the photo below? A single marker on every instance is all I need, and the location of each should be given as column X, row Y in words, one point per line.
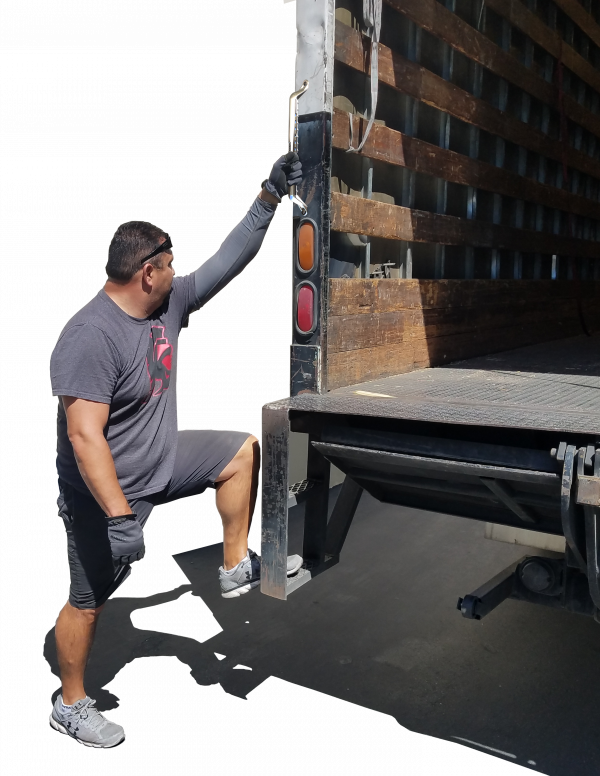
column 132, row 241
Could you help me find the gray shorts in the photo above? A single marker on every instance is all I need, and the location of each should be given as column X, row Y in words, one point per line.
column 201, row 457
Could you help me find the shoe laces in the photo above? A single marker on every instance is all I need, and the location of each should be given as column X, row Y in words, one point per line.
column 91, row 717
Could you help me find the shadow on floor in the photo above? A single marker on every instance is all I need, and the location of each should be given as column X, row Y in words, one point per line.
column 381, row 630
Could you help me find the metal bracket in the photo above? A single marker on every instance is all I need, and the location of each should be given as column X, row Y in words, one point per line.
column 490, row 595
column 545, row 580
column 502, row 492
column 588, row 494
column 573, row 528
column 588, row 490
column 580, row 516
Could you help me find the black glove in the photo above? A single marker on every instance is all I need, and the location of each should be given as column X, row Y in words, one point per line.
column 286, row 172
column 126, row 539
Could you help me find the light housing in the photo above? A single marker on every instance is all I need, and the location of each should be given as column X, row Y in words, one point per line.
column 306, row 308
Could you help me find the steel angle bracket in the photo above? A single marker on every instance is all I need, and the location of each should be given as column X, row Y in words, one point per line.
column 588, row 496
column 580, row 512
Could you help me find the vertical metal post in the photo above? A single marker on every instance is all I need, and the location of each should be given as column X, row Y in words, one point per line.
column 444, row 142
column 411, row 123
column 317, row 506
column 471, row 190
column 406, row 264
column 500, row 152
column 342, row 516
column 367, row 192
column 499, row 155
column 274, row 528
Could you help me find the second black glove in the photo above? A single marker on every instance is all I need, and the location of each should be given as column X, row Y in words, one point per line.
column 126, row 539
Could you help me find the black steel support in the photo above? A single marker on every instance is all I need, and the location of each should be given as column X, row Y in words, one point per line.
column 504, row 494
column 490, row 595
column 317, row 506
column 344, row 456
column 573, row 528
column 547, row 580
column 592, row 541
column 342, row 516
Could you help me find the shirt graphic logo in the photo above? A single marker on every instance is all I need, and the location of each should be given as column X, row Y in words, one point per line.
column 158, row 360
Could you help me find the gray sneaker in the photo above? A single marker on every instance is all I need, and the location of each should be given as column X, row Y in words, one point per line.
column 246, row 575
column 85, row 724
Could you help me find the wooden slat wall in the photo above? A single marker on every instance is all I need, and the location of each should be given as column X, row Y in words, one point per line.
column 392, row 147
column 423, row 85
column 530, row 24
column 378, row 328
column 447, row 26
column 392, row 222
column 581, row 17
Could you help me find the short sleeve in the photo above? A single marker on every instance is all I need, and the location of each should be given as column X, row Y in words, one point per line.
column 182, row 299
column 84, row 364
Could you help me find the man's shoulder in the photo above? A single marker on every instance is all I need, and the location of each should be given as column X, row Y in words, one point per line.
column 92, row 316
column 91, row 312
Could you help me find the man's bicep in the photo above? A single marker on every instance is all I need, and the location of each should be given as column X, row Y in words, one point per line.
column 85, row 417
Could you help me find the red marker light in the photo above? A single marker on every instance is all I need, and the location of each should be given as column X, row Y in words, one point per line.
column 305, row 309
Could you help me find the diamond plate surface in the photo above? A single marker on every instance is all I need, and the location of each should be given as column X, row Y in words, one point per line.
column 554, row 386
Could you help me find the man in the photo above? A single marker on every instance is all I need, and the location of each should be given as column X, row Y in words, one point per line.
column 114, row 370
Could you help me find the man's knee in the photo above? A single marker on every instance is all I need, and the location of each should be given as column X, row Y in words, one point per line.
column 249, row 451
column 247, row 459
column 253, row 445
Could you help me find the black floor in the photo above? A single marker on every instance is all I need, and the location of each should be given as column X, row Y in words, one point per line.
column 381, row 630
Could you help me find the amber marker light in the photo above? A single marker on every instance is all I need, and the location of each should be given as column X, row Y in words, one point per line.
column 306, row 246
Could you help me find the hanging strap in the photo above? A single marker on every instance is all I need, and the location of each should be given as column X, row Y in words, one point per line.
column 564, row 140
column 372, row 23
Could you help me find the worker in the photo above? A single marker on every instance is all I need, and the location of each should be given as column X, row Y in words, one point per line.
column 119, row 453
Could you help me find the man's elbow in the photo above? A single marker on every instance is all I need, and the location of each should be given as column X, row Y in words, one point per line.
column 83, row 439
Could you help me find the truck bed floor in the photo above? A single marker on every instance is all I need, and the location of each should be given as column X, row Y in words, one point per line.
column 554, row 386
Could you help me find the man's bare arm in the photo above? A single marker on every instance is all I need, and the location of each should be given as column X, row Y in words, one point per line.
column 86, row 421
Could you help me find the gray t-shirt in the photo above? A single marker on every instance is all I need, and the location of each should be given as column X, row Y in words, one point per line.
column 107, row 356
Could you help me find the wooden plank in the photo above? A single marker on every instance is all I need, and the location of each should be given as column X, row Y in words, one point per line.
column 351, row 48
column 355, row 215
column 355, row 332
column 361, row 296
column 424, row 302
column 352, row 332
column 357, row 366
column 581, row 18
column 404, row 294
column 388, row 145
column 530, row 24
column 439, row 21
column 455, row 319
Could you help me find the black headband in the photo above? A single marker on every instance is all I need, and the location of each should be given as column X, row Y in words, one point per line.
column 162, row 248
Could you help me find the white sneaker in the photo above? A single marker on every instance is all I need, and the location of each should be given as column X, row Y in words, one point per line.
column 86, row 724
column 246, row 575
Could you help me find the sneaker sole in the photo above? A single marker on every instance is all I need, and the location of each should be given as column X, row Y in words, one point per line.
column 238, row 591
column 62, row 729
column 295, row 569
